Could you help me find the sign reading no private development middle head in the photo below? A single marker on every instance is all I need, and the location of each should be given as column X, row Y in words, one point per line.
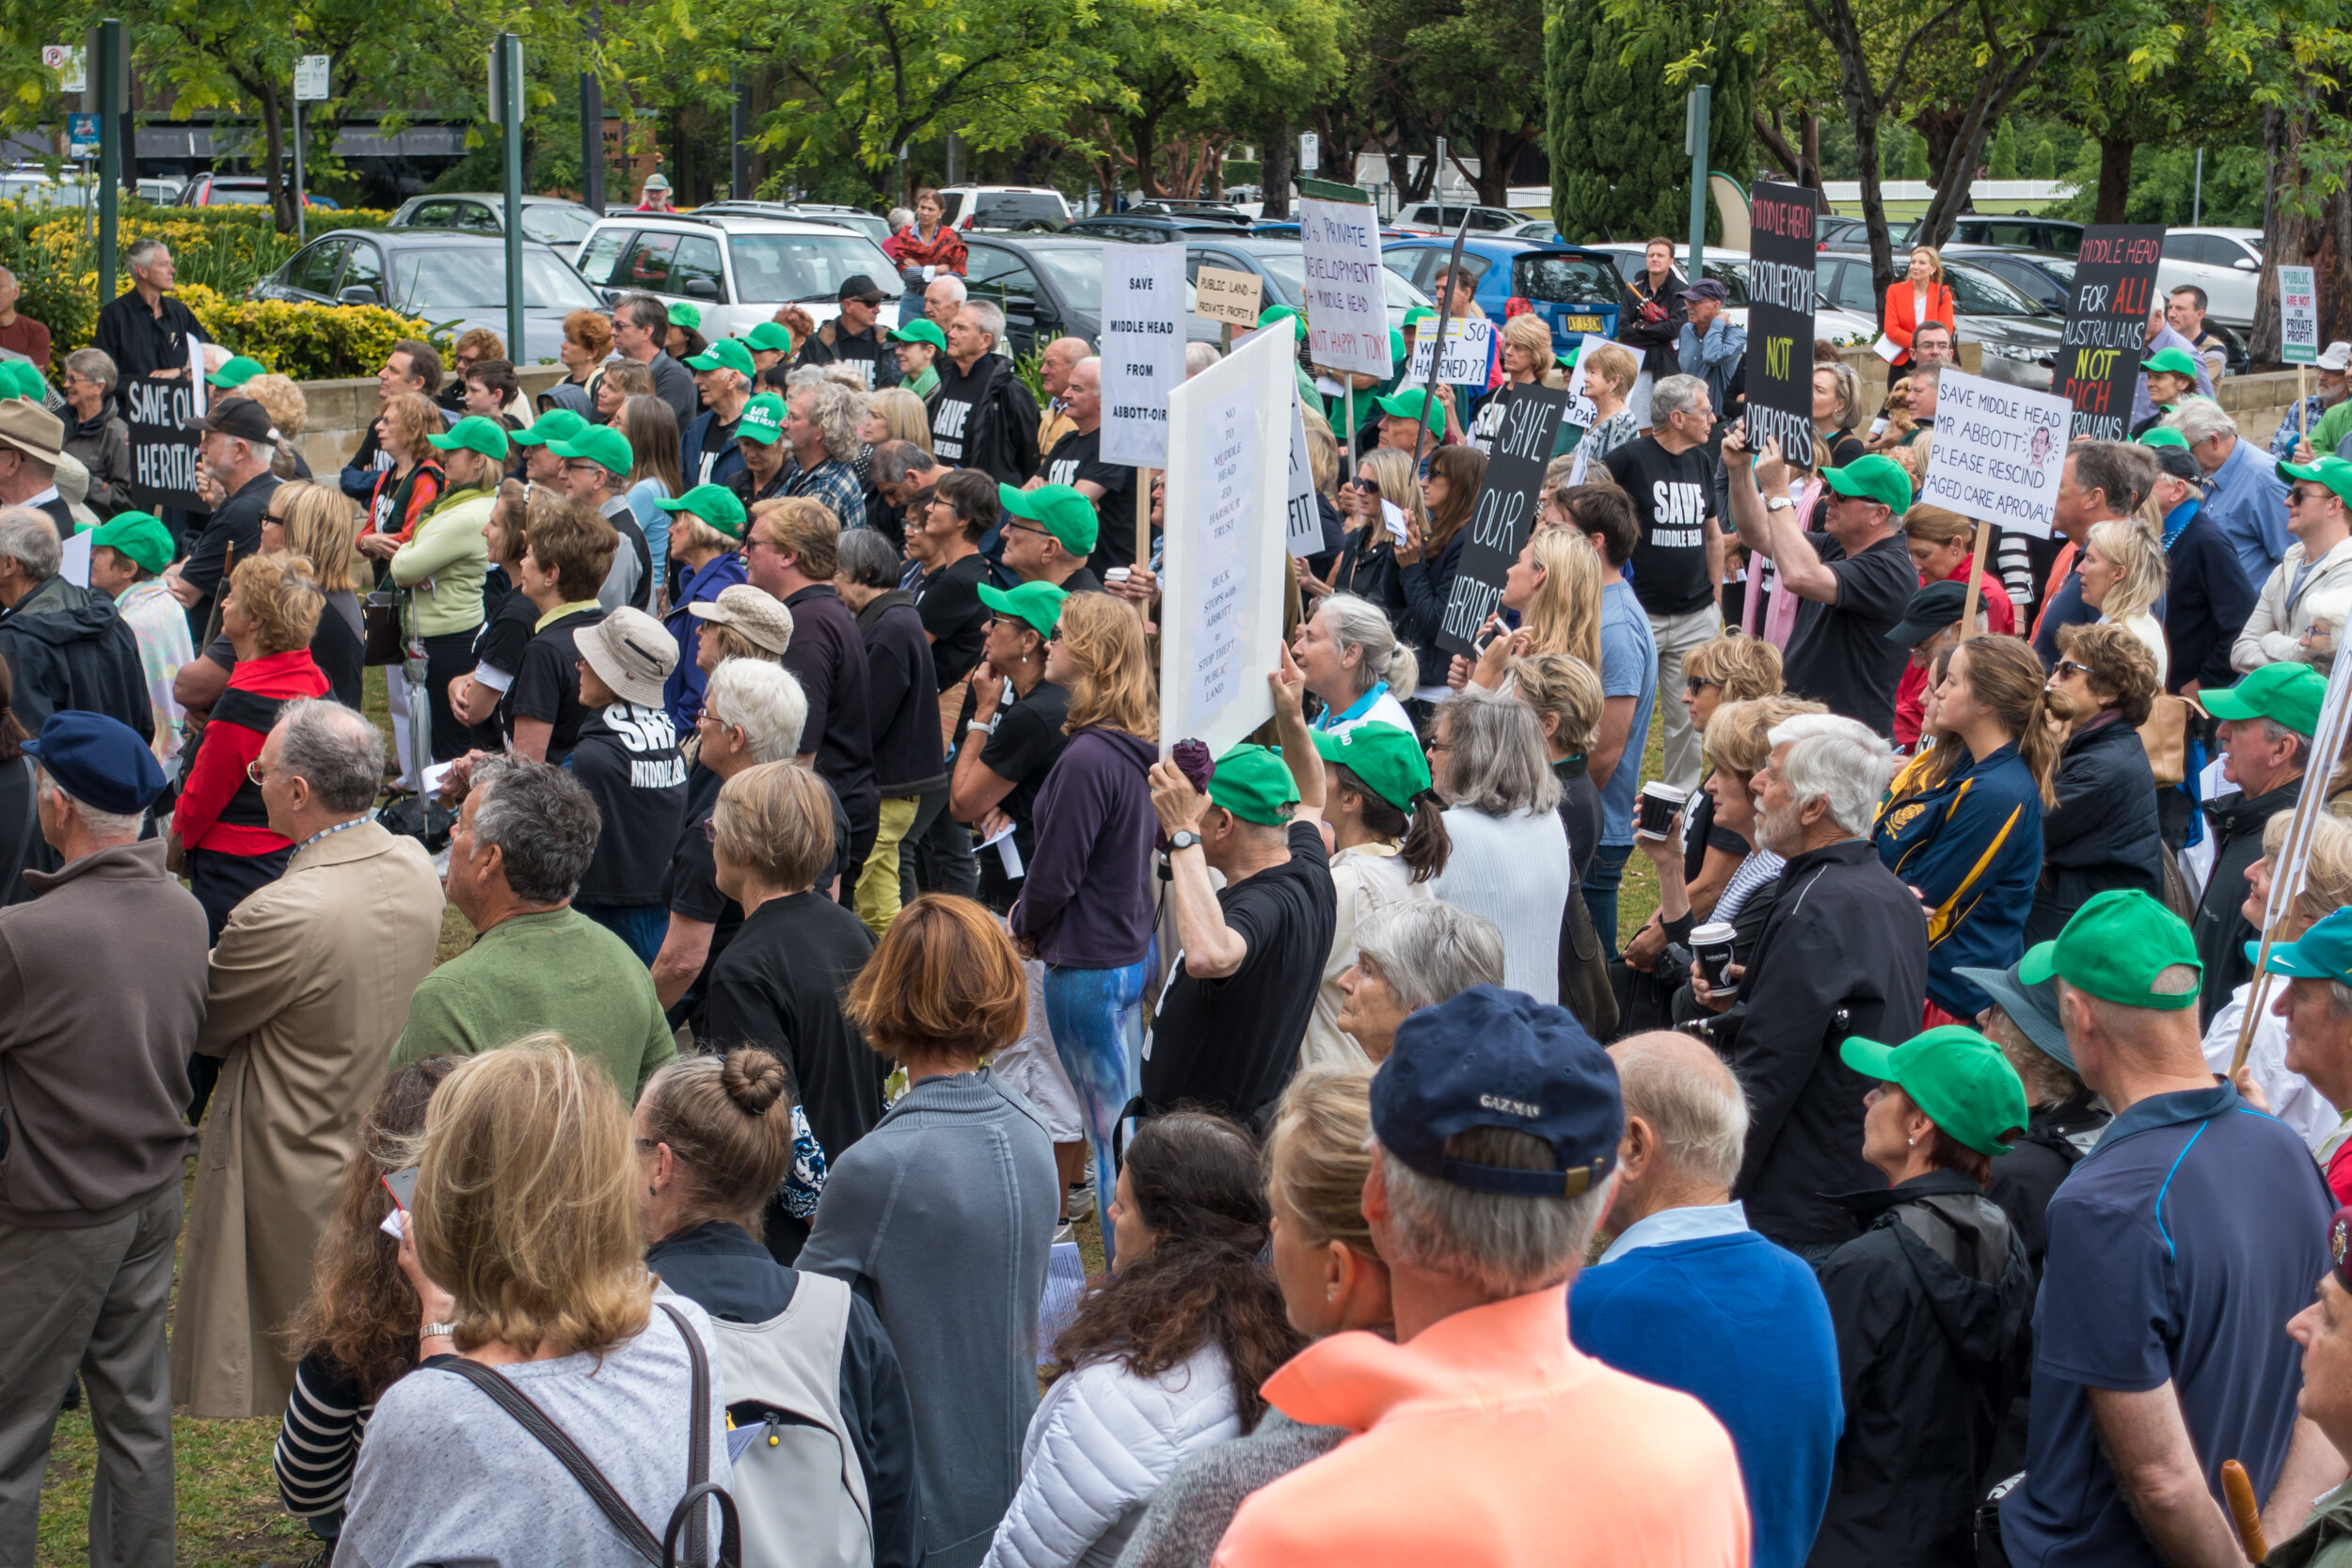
column 1347, row 299
column 1997, row 454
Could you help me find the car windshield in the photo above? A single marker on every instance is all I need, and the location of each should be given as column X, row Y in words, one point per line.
column 874, row 228
column 775, row 269
column 1078, row 274
column 557, row 225
column 434, row 282
column 236, row 196
column 1560, row 280
column 1980, row 294
column 1287, row 271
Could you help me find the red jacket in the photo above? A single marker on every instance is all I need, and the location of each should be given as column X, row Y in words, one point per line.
column 1899, row 304
column 221, row 807
column 944, row 251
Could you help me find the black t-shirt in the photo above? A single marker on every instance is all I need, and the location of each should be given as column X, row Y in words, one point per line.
column 1027, row 742
column 547, row 687
column 828, row 658
column 1674, row 497
column 1700, row 834
column 1079, row 455
column 628, row 758
column 504, row 637
column 690, row 885
column 1229, row 1045
column 948, row 600
column 1083, row 580
column 1839, row 653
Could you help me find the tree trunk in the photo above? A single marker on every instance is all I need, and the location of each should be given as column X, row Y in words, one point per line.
column 1496, row 153
column 1811, row 178
column 1768, row 136
column 274, row 141
column 1144, row 131
column 2321, row 239
column 2115, row 179
column 1965, row 150
column 1274, row 169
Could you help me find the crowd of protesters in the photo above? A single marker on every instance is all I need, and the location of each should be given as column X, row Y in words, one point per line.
column 1942, row 1174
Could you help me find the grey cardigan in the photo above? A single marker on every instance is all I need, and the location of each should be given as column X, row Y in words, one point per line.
column 1189, row 1513
column 941, row 1217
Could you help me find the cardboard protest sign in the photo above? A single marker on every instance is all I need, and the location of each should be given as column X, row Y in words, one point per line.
column 1469, row 344
column 1347, row 308
column 2106, row 326
column 1221, row 608
column 1505, row 513
column 1226, row 295
column 2298, row 316
column 1781, row 272
column 1143, row 349
column 1998, row 452
column 1303, row 530
column 163, row 448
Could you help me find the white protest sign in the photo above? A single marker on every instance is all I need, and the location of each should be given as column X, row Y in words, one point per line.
column 1143, row 349
column 1582, row 413
column 2298, row 316
column 1998, row 452
column 1347, row 308
column 74, row 559
column 1222, row 610
column 1469, row 349
column 1303, row 531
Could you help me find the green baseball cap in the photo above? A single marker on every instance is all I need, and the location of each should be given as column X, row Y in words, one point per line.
column 1408, row 405
column 1873, row 479
column 2330, row 471
column 2323, row 953
column 714, row 504
column 2173, row 361
column 728, row 354
column 1253, row 783
column 687, row 316
column 140, row 535
column 2163, row 435
column 1418, row 314
column 475, row 434
column 1064, row 511
column 20, row 379
column 237, row 372
column 601, row 444
column 1282, row 313
column 1396, row 348
column 2287, row 692
column 556, row 424
column 1389, row 760
column 763, row 420
column 2116, row 945
column 768, row 336
column 1954, row 1074
column 1038, row 604
column 922, row 329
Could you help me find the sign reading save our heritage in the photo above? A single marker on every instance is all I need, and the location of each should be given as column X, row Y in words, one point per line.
column 1505, row 513
column 163, row 453
column 2106, row 326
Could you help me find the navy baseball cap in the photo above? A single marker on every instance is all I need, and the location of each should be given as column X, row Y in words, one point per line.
column 99, row 761
column 1492, row 1057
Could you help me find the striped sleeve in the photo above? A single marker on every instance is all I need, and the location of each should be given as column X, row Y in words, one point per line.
column 319, row 1445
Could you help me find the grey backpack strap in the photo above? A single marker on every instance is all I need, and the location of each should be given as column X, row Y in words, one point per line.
column 697, row 1448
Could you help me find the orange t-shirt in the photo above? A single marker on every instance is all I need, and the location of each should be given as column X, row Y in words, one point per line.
column 1488, row 1441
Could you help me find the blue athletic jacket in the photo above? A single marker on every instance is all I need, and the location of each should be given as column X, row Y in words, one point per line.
column 1972, row 846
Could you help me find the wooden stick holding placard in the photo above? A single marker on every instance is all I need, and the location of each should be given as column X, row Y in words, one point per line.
column 2294, row 856
column 1437, row 354
column 1143, row 518
column 1976, row 581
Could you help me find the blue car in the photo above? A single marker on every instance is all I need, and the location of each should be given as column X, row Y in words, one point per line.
column 1574, row 290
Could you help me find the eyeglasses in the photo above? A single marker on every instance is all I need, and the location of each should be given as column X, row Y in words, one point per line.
column 255, row 771
column 1013, row 526
column 2068, row 667
column 710, row 830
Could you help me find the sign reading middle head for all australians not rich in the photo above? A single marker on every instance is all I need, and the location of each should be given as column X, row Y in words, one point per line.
column 1997, row 454
column 1781, row 268
column 2106, row 328
column 1143, row 349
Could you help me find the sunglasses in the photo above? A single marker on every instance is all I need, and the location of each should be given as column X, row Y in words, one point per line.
column 1698, row 684
column 2068, row 667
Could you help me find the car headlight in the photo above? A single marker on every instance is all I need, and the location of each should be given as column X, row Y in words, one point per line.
column 2007, row 351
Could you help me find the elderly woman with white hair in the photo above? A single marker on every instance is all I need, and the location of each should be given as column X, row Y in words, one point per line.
column 1410, row 956
column 1355, row 665
column 753, row 713
column 1845, row 953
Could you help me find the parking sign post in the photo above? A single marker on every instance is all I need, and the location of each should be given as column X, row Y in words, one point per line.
column 506, row 107
column 114, row 73
column 311, row 74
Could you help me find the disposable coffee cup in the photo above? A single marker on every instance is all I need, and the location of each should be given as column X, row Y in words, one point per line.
column 1658, row 802
column 1710, row 944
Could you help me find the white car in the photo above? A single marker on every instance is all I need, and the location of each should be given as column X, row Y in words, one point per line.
column 2226, row 263
column 1430, row 217
column 972, row 207
column 736, row 270
column 1730, row 269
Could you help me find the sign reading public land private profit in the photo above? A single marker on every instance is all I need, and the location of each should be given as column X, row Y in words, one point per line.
column 1781, row 267
column 2298, row 316
column 1222, row 582
column 1347, row 299
column 1997, row 453
column 1143, row 349
column 2106, row 326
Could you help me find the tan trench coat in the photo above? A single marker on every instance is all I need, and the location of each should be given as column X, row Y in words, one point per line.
column 310, row 987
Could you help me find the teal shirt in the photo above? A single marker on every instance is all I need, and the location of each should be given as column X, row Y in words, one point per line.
column 557, row 969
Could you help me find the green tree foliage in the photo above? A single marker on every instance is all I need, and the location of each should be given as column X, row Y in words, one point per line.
column 2044, row 160
column 1915, row 158
column 2002, row 163
column 1618, row 170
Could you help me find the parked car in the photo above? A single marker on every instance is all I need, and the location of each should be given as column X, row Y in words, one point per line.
column 1282, row 266
column 443, row 276
column 1542, row 231
column 1051, row 286
column 34, row 186
column 1007, row 207
column 1730, row 269
column 2044, row 277
column 550, row 219
column 2020, row 339
column 1834, row 232
column 163, row 192
column 2226, row 263
column 1147, row 227
column 2016, row 231
column 1193, row 209
column 1431, row 218
column 737, row 270
column 1574, row 287
column 872, row 226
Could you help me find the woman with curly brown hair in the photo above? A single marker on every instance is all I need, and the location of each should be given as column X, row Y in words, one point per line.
column 357, row 1335
column 2102, row 833
column 1167, row 1355
column 1431, row 555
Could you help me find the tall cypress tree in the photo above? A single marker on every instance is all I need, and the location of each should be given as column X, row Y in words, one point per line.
column 1618, row 170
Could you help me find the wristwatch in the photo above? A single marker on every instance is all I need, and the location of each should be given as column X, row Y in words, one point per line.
column 1779, row 504
column 1186, row 839
column 986, row 726
column 436, row 1331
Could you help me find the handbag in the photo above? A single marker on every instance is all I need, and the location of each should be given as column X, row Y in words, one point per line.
column 379, row 616
column 661, row 1553
column 2165, row 737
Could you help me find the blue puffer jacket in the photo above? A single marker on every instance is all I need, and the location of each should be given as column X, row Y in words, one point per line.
column 1972, row 847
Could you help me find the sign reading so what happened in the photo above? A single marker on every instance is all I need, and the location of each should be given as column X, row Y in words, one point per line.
column 1781, row 275
column 1997, row 454
column 1143, row 349
column 2106, row 326
column 1505, row 513
column 1470, row 343
column 163, row 452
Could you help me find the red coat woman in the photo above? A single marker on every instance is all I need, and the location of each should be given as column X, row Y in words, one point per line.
column 929, row 243
column 1914, row 300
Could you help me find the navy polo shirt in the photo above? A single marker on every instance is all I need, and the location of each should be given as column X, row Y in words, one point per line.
column 2179, row 1248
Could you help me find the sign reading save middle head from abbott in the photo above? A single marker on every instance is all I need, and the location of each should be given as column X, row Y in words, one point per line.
column 1143, row 349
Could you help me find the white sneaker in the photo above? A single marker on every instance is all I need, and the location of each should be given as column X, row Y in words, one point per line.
column 1081, row 1200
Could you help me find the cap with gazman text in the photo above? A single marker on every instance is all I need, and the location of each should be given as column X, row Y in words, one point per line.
column 1499, row 1058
